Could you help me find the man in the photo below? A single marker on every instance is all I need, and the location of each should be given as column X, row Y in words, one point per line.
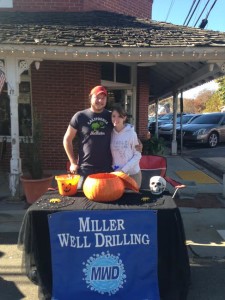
column 93, row 127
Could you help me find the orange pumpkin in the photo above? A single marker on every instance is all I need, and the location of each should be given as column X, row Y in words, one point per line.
column 129, row 182
column 103, row 187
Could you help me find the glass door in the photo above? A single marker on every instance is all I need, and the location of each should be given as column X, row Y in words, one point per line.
column 124, row 98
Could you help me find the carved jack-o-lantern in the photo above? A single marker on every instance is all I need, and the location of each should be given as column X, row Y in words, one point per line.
column 66, row 187
column 67, row 184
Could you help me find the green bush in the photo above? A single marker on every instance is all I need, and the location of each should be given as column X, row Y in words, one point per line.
column 154, row 146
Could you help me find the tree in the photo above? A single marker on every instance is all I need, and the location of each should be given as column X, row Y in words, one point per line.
column 214, row 103
column 221, row 89
column 189, row 106
column 201, row 100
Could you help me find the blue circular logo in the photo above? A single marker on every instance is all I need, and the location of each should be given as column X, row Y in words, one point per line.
column 104, row 273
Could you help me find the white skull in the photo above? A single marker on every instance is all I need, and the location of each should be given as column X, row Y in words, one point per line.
column 157, row 185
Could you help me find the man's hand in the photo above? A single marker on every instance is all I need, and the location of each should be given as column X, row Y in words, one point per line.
column 149, row 135
column 139, row 147
column 73, row 168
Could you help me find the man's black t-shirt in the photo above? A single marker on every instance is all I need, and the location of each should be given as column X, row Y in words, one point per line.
column 94, row 132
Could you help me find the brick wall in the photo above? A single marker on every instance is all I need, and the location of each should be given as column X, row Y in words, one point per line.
column 59, row 90
column 143, row 102
column 139, row 8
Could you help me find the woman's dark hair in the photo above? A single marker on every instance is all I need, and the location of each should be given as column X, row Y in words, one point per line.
column 121, row 111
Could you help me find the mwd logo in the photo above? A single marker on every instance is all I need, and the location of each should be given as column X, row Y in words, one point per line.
column 104, row 273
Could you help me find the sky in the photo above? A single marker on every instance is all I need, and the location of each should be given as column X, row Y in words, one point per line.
column 176, row 11
column 192, row 93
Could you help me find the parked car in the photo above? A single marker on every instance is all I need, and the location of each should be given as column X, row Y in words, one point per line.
column 152, row 119
column 166, row 130
column 165, row 119
column 206, row 129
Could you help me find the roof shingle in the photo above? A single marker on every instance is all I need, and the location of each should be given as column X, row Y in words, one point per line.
column 100, row 29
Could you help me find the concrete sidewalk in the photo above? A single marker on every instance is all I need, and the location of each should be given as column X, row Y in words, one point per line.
column 176, row 163
column 204, row 228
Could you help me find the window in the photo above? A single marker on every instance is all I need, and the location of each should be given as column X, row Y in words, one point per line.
column 5, row 125
column 24, row 108
column 107, row 71
column 116, row 73
column 123, row 74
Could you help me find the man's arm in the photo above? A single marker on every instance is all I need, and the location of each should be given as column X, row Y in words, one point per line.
column 139, row 147
column 68, row 146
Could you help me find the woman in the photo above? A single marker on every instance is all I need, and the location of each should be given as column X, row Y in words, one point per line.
column 123, row 141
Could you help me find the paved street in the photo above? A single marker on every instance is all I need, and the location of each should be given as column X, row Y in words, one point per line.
column 207, row 279
column 14, row 285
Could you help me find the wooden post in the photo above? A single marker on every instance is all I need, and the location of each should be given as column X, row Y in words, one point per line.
column 13, row 69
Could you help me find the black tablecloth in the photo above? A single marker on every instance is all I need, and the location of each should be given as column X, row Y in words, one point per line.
column 173, row 263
